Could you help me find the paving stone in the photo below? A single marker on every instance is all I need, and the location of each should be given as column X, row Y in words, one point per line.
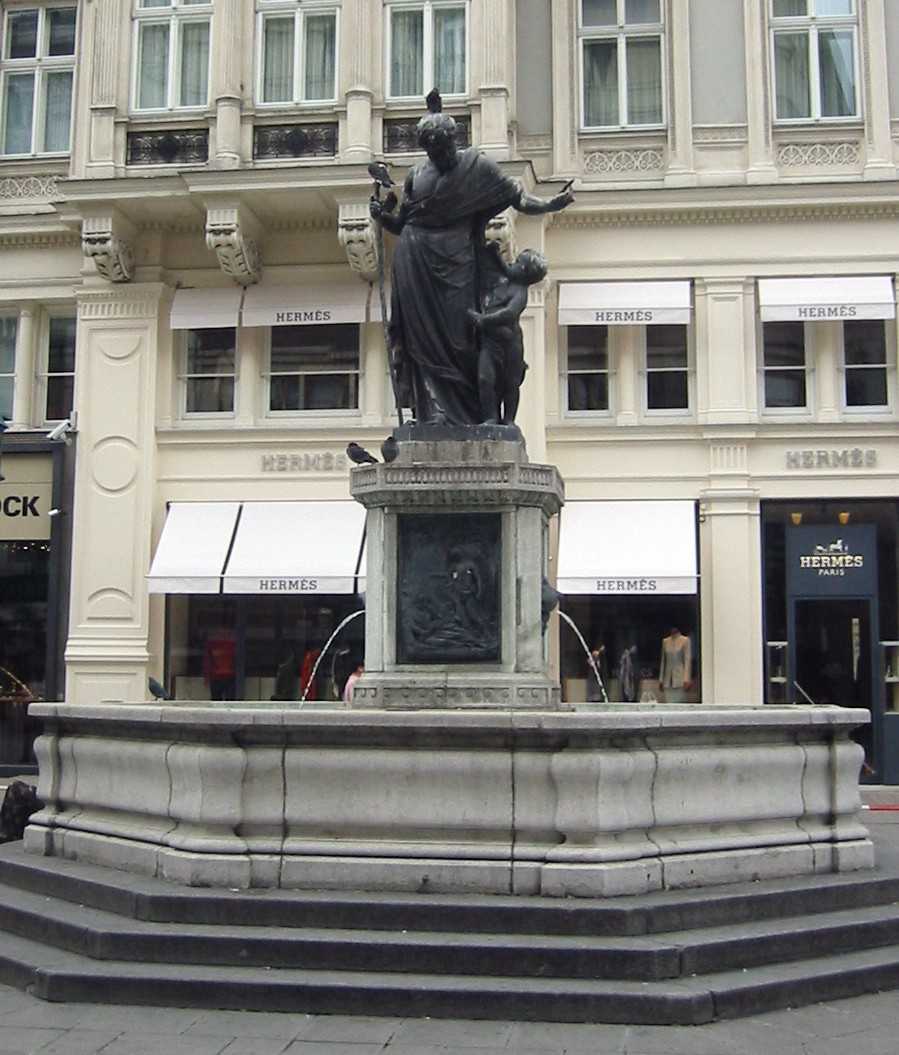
column 325, row 1047
column 79, row 1042
column 464, row 1033
column 249, row 1024
column 350, row 1029
column 21, row 1039
column 570, row 1036
column 136, row 1018
column 145, row 1043
column 882, row 1041
column 256, row 1046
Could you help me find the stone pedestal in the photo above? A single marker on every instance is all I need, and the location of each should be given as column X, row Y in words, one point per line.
column 457, row 543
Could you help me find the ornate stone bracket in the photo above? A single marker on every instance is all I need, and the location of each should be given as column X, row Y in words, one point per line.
column 356, row 233
column 108, row 241
column 501, row 229
column 231, row 233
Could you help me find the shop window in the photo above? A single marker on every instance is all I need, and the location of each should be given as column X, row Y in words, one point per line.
column 621, row 56
column 59, row 373
column 427, row 44
column 37, row 66
column 865, row 363
column 588, row 368
column 785, row 371
column 314, row 368
column 298, row 53
column 814, row 58
column 7, row 364
column 171, row 54
column 667, row 369
column 209, row 371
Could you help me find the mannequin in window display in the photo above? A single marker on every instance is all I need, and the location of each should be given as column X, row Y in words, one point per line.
column 219, row 664
column 675, row 666
column 627, row 675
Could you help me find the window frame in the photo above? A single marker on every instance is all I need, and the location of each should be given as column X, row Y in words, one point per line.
column 610, row 372
column 644, row 371
column 42, row 393
column 809, row 24
column 175, row 16
column 620, row 33
column 325, row 412
column 427, row 7
column 40, row 65
column 878, row 410
column 808, row 409
column 14, row 315
column 185, row 377
column 268, row 9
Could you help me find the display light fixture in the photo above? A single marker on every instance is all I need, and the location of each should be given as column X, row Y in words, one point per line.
column 796, row 518
column 844, row 518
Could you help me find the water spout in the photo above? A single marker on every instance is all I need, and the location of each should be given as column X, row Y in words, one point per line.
column 590, row 664
column 321, row 655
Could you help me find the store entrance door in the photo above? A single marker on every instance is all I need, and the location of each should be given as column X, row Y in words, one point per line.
column 834, row 660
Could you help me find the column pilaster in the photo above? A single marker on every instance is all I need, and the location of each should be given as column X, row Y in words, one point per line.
column 107, row 649
column 26, row 367
column 758, row 104
column 565, row 102
column 879, row 162
column 680, row 121
column 226, row 86
column 106, row 56
column 725, row 351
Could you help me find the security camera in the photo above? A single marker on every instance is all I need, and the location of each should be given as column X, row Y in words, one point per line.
column 54, row 512
column 60, row 431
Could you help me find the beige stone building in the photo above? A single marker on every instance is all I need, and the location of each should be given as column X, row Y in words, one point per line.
column 188, row 277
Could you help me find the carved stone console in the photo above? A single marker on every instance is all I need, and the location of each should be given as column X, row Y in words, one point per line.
column 457, row 550
column 232, row 233
column 108, row 239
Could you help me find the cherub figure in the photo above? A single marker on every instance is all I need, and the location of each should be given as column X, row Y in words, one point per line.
column 501, row 365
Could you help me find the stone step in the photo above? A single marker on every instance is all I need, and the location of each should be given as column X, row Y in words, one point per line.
column 58, row 975
column 106, row 936
column 152, row 899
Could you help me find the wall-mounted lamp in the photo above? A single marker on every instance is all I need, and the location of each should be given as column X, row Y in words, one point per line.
column 844, row 518
column 796, row 518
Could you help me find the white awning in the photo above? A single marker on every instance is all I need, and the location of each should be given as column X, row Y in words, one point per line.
column 306, row 305
column 193, row 547
column 624, row 303
column 205, row 309
column 297, row 547
column 628, row 548
column 815, row 299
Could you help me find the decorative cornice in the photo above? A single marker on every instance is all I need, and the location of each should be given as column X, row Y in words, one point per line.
column 629, row 161
column 231, row 232
column 107, row 240
column 129, row 302
column 356, row 233
column 38, row 240
column 817, row 155
column 28, row 188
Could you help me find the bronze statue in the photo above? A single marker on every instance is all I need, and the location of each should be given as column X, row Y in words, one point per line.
column 441, row 270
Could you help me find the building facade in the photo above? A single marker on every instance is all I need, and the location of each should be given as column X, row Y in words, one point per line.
column 189, row 278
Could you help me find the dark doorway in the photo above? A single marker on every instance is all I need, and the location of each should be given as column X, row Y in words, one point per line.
column 833, row 658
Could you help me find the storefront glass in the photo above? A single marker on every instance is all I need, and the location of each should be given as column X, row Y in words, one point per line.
column 253, row 647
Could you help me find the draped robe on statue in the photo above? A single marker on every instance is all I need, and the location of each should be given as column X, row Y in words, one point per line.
column 437, row 268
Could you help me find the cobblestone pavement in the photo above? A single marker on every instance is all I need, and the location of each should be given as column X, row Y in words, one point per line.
column 865, row 1025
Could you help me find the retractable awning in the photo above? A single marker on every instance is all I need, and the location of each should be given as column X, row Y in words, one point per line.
column 624, row 303
column 193, row 547
column 821, row 298
column 628, row 548
column 261, row 547
column 205, row 309
column 306, row 305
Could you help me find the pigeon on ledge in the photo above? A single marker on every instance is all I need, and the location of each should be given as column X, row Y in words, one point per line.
column 359, row 455
column 390, row 449
column 156, row 690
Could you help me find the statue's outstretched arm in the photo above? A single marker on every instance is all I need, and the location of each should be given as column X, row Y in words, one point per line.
column 534, row 206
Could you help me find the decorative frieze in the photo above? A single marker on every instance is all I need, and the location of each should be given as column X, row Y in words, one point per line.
column 107, row 240
column 140, row 302
column 181, row 146
column 818, row 155
column 356, row 233
column 624, row 162
column 295, row 141
column 28, row 188
column 729, row 458
column 401, row 134
column 231, row 233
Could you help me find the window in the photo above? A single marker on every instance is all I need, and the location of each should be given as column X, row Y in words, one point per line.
column 865, row 363
column 314, row 367
column 298, row 53
column 427, row 48
column 814, row 48
column 785, row 368
column 7, row 364
column 37, row 68
column 621, row 57
column 667, row 368
column 210, row 358
column 172, row 54
column 59, row 376
column 588, row 368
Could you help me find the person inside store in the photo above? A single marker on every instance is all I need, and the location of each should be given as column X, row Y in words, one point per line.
column 219, row 664
column 675, row 667
column 597, row 670
column 350, row 687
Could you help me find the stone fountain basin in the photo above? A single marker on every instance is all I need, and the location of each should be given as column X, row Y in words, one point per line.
column 622, row 800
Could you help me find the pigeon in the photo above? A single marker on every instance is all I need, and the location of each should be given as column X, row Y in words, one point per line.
column 379, row 173
column 156, row 690
column 434, row 102
column 359, row 455
column 390, row 449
